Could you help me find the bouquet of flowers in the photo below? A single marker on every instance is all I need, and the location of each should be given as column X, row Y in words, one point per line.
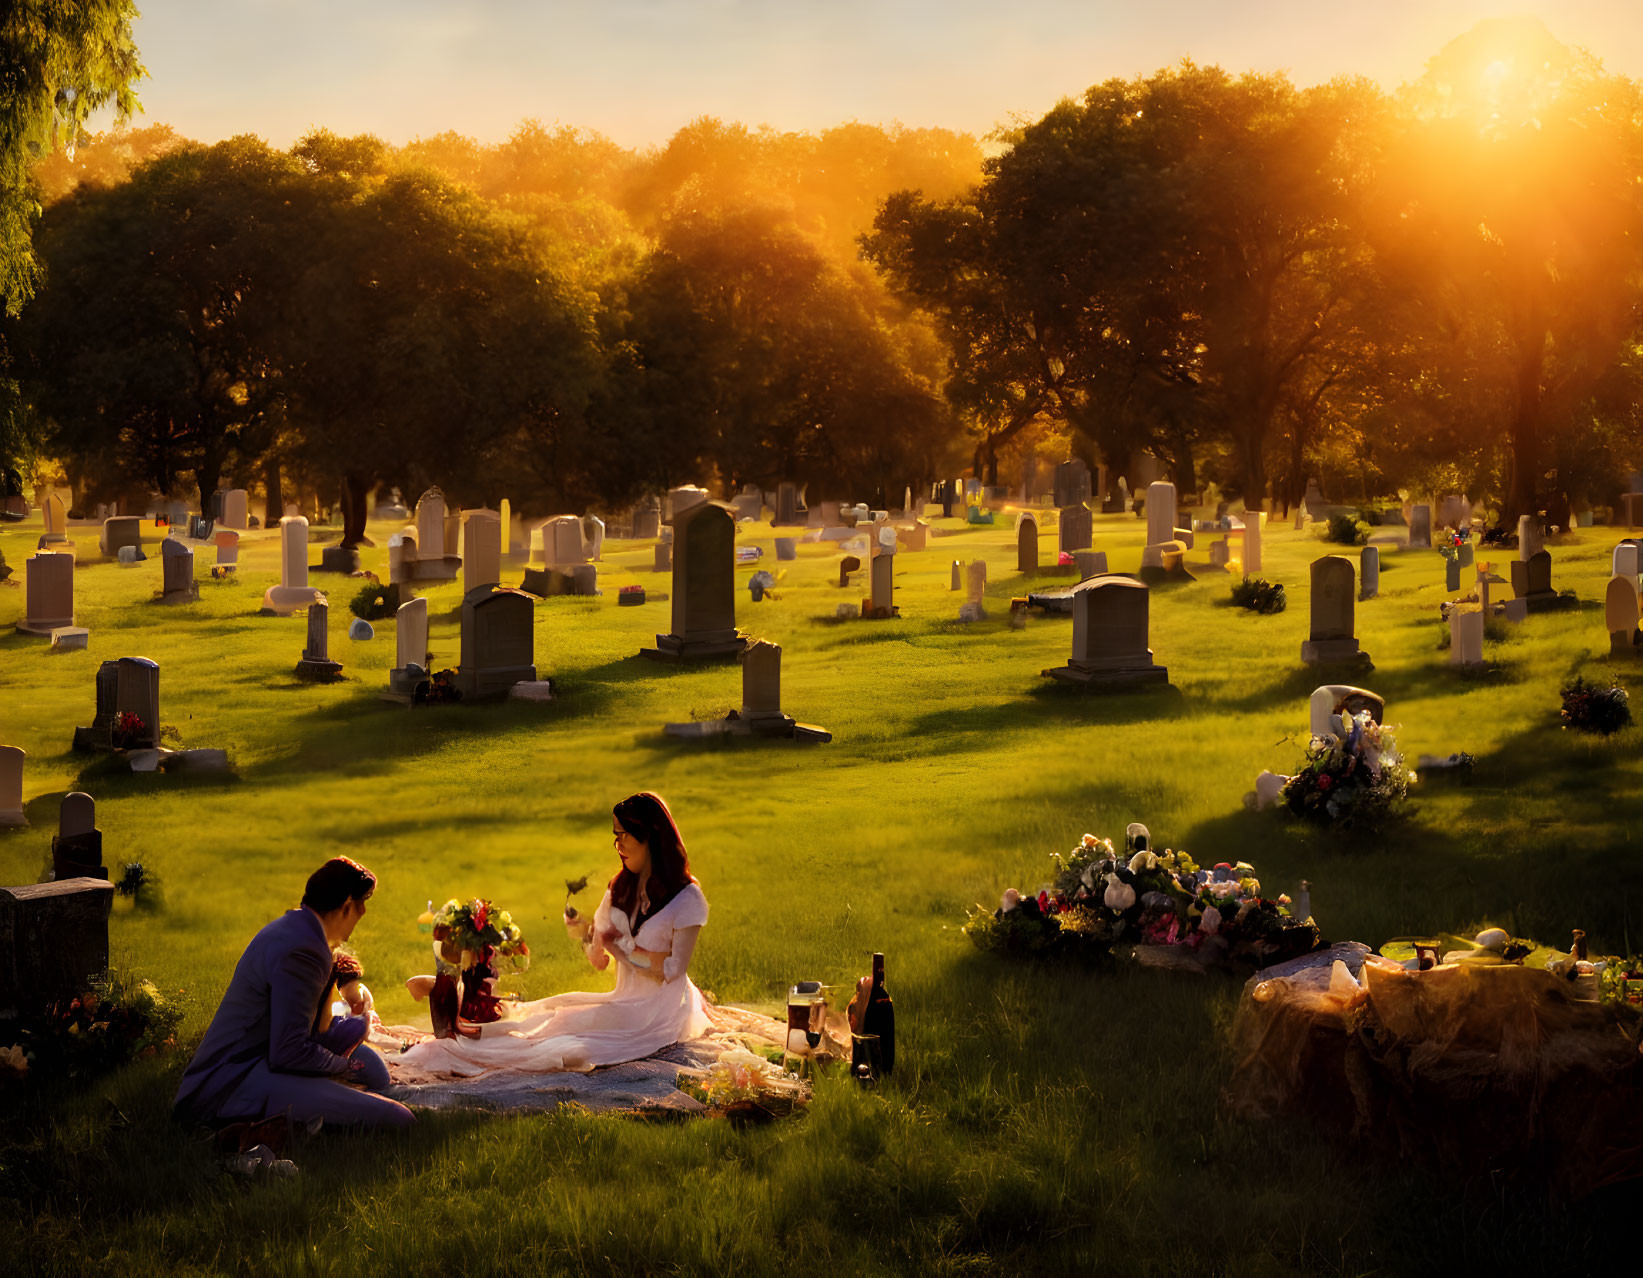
column 1353, row 775
column 1101, row 899
column 466, row 930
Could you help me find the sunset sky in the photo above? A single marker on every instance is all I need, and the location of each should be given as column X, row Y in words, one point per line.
column 637, row 70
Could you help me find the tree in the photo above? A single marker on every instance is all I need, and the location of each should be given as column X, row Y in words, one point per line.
column 59, row 61
column 1515, row 209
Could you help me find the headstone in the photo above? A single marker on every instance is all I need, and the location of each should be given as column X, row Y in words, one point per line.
column 316, row 660
column 787, row 505
column 130, row 555
column 1253, row 521
column 882, row 578
column 70, row 638
column 1110, row 635
column 432, row 551
column 1420, row 527
column 1076, row 529
column 1465, row 638
column 762, row 681
column 1486, row 579
column 53, row 942
column 1620, row 616
column 1627, row 560
column 1631, row 510
column 1532, row 580
column 561, row 544
column 976, row 580
column 787, row 549
column 49, row 592
column 129, row 686
column 664, row 557
column 122, row 530
column 498, row 642
column 54, row 511
column 647, row 522
column 177, row 567
column 1220, row 553
column 847, row 565
column 410, row 650
column 1451, row 573
column 958, row 576
column 481, row 549
column 704, row 587
column 228, row 548
column 1369, row 572
column 77, row 851
column 1160, row 512
column 1333, row 635
column 1072, row 483
column 401, row 558
column 593, row 537
column 681, row 500
column 11, row 786
column 1091, row 563
column 360, row 630
column 1026, row 543
column 915, row 536
column 293, row 593
column 235, row 508
column 504, row 516
column 1530, row 539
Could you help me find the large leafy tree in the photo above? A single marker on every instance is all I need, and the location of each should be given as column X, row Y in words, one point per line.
column 1514, row 210
column 149, row 348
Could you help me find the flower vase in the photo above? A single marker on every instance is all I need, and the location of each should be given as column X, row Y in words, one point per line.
column 480, row 1004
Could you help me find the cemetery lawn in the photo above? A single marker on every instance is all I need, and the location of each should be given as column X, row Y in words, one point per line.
column 1040, row 1119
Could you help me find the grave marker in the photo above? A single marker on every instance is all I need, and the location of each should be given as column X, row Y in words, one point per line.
column 11, row 786
column 49, row 592
column 177, row 573
column 53, row 942
column 316, row 663
column 1620, row 616
column 498, row 642
column 1333, row 637
column 1026, row 543
column 77, row 851
column 1110, row 636
column 704, row 588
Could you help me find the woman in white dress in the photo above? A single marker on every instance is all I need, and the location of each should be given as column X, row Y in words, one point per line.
column 647, row 924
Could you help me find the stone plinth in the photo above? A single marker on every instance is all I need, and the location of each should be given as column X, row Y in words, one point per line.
column 53, row 941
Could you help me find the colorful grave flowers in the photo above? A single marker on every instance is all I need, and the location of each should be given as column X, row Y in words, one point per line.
column 469, row 930
column 1354, row 776
column 1101, row 901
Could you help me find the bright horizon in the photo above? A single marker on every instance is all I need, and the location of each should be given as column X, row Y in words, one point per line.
column 638, row 70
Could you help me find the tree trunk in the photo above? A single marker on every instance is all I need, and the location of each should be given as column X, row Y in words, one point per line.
column 274, row 506
column 355, row 489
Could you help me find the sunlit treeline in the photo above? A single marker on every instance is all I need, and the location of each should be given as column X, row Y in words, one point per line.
column 1432, row 289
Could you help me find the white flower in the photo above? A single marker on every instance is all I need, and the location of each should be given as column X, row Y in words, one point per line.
column 1210, row 924
column 1143, row 861
column 1119, row 896
column 1010, row 900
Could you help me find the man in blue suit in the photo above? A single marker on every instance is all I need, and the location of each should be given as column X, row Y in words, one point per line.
column 263, row 1056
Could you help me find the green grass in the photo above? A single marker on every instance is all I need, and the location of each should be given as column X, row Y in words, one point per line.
column 1040, row 1117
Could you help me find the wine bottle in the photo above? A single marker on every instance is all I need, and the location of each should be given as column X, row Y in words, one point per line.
column 880, row 1018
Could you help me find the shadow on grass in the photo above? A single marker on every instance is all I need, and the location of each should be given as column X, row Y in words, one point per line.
column 1050, row 701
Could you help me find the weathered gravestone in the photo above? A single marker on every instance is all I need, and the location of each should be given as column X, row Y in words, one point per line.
column 316, row 663
column 11, row 786
column 1026, row 543
column 1530, row 537
column 1091, row 563
column 1332, row 700
column 1532, row 581
column 49, row 592
column 410, row 651
column 704, row 588
column 481, row 549
column 761, row 713
column 682, row 499
column 1369, row 572
column 1253, row 528
column 1071, row 484
column 1075, row 529
column 53, row 942
column 663, row 561
column 787, row 506
column 1110, row 635
column 54, row 511
column 293, row 594
column 1420, row 527
column 227, row 542
column 1627, row 560
column 120, row 531
column 177, row 573
column 77, row 851
column 881, row 602
column 128, row 707
column 1334, row 598
column 1620, row 615
column 235, row 509
column 498, row 642
column 1465, row 637
column 647, row 521
column 787, row 549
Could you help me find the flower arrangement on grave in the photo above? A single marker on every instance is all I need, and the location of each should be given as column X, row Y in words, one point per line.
column 1100, row 900
column 1590, row 707
column 128, row 730
column 1354, row 777
column 1260, row 596
column 139, row 883
column 442, row 689
column 118, row 1020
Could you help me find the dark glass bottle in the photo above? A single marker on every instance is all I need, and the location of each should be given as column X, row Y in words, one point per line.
column 880, row 1019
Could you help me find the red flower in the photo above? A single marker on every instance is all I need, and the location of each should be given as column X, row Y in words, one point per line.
column 482, row 915
column 1044, row 902
column 1325, row 781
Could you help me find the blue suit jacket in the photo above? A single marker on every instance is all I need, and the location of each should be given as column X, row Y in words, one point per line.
column 268, row 1014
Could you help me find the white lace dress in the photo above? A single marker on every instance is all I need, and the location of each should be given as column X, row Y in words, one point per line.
column 580, row 1031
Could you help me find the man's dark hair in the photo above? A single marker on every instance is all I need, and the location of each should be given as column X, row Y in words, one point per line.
column 337, row 882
